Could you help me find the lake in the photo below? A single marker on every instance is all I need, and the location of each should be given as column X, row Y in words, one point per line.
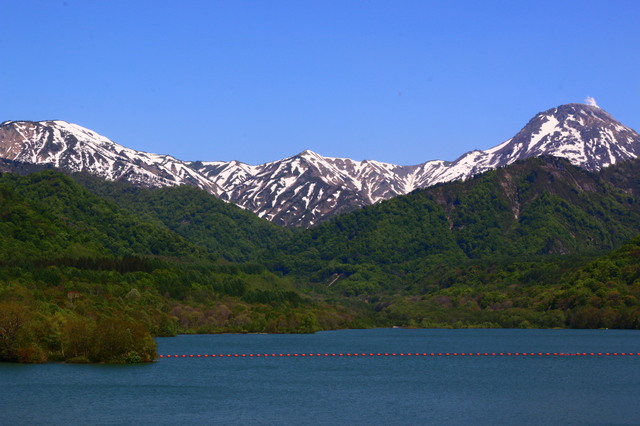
column 332, row 390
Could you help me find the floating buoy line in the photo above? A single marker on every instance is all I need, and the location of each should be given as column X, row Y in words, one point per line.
column 403, row 354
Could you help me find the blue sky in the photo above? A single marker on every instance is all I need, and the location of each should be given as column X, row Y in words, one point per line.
column 395, row 81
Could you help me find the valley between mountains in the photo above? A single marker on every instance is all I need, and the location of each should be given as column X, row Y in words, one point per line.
column 104, row 247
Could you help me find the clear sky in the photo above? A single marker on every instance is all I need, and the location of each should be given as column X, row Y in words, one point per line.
column 397, row 81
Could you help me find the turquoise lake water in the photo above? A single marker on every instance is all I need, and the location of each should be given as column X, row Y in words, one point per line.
column 344, row 390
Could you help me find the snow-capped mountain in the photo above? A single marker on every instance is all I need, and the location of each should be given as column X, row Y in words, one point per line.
column 585, row 135
column 303, row 189
column 308, row 188
column 74, row 148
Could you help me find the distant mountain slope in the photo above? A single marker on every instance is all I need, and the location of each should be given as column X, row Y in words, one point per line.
column 625, row 176
column 307, row 189
column 71, row 147
column 46, row 216
column 223, row 229
column 539, row 206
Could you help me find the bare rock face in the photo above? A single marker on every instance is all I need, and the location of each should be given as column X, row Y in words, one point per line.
column 308, row 188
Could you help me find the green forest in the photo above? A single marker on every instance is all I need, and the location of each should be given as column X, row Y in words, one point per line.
column 91, row 271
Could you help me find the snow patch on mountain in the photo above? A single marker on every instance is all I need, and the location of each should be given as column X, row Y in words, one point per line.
column 307, row 188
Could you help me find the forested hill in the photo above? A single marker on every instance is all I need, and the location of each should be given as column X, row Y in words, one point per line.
column 542, row 206
column 82, row 279
column 91, row 270
column 501, row 249
column 624, row 176
column 46, row 215
column 224, row 230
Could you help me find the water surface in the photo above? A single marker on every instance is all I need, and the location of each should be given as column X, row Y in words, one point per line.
column 340, row 390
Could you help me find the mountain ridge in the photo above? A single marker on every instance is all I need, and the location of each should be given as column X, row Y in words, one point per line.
column 536, row 207
column 308, row 188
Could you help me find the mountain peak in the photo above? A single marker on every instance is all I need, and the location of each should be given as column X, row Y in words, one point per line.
column 308, row 188
column 586, row 135
column 75, row 148
column 577, row 108
column 307, row 153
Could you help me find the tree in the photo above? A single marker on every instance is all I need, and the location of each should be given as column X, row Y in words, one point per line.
column 14, row 318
